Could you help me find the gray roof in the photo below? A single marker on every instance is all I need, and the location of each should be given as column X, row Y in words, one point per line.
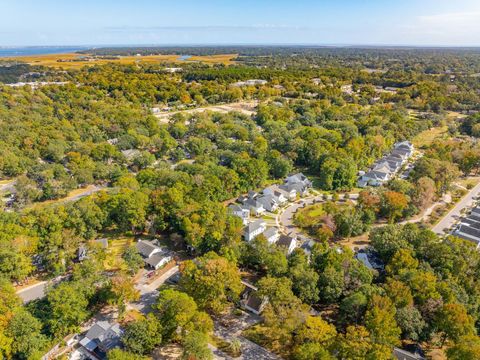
column 156, row 259
column 285, row 241
column 271, row 231
column 373, row 174
column 98, row 330
column 400, row 354
column 257, row 224
column 145, row 248
column 254, row 302
column 253, row 203
column 235, row 207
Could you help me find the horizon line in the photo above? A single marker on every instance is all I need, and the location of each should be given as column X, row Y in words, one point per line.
column 166, row 45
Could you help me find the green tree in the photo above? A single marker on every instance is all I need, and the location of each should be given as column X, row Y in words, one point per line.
column 25, row 330
column 119, row 354
column 311, row 351
column 380, row 322
column 195, row 346
column 123, row 291
column 454, row 322
column 178, row 314
column 68, row 306
column 133, row 259
column 142, row 336
column 212, row 281
column 466, row 348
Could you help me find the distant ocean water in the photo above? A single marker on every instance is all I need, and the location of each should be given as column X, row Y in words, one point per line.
column 37, row 50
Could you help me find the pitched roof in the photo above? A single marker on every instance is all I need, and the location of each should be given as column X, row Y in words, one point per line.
column 406, row 355
column 156, row 259
column 253, row 226
column 146, row 248
column 271, row 231
column 235, row 207
column 254, row 302
column 285, row 240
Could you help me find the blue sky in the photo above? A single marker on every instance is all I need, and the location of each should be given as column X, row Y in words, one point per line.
column 123, row 22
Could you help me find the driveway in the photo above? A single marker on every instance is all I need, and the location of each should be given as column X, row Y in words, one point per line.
column 149, row 292
column 456, row 213
column 250, row 350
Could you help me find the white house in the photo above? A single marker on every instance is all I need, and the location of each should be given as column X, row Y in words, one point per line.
column 268, row 202
column 254, row 206
column 280, row 195
column 271, row 234
column 158, row 260
column 240, row 211
column 147, row 248
column 254, row 229
column 287, row 242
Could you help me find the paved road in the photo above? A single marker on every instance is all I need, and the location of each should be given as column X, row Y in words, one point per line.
column 284, row 218
column 454, row 214
column 148, row 292
column 37, row 291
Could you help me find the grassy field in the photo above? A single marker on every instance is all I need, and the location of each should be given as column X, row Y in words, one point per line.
column 72, row 195
column 116, row 247
column 427, row 137
column 66, row 61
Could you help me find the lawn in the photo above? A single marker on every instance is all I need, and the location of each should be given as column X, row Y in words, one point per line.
column 116, row 247
column 308, row 217
column 427, row 137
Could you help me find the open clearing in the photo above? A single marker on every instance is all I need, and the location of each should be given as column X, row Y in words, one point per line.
column 244, row 107
column 427, row 137
column 74, row 60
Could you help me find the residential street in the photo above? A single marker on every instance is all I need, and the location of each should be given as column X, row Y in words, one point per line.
column 454, row 214
column 34, row 292
column 37, row 291
column 284, row 219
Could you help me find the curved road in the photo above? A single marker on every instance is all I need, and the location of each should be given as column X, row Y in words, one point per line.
column 284, row 219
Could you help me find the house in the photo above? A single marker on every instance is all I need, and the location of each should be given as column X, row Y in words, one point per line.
column 102, row 337
column 289, row 191
column 250, row 301
column 268, row 202
column 130, row 154
column 288, row 242
column 147, row 248
column 388, row 166
column 297, row 182
column 271, row 234
column 254, row 229
column 158, row 260
column 240, row 211
column 401, row 354
column 468, row 232
column 298, row 178
column 254, row 206
column 252, row 82
column 280, row 195
column 373, row 178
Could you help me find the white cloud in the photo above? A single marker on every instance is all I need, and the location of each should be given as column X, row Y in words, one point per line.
column 452, row 28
